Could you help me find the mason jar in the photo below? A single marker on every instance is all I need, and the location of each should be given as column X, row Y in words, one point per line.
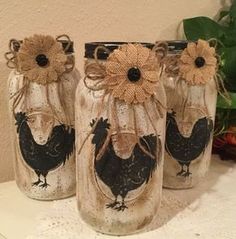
column 41, row 98
column 190, row 84
column 120, row 129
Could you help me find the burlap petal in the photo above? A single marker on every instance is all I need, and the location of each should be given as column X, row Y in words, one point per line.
column 189, row 77
column 32, row 74
column 140, row 94
column 28, row 64
column 119, row 90
column 143, row 55
column 132, row 54
column 185, row 58
column 115, row 68
column 113, row 80
column 211, row 61
column 201, row 47
column 191, row 49
column 130, row 94
column 121, row 57
column 150, row 76
column 52, row 76
column 184, row 68
column 149, row 87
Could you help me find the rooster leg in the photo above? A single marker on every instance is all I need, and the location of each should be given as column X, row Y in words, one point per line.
column 39, row 180
column 122, row 207
column 45, row 184
column 182, row 172
column 187, row 174
column 113, row 204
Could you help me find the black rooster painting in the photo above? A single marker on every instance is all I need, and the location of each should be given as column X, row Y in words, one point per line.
column 123, row 175
column 186, row 149
column 44, row 158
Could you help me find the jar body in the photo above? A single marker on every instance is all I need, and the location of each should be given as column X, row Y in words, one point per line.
column 189, row 131
column 43, row 136
column 118, row 193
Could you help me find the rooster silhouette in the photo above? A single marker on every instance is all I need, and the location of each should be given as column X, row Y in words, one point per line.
column 123, row 175
column 44, row 158
column 187, row 149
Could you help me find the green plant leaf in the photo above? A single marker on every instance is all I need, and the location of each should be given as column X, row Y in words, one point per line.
column 204, row 28
column 223, row 14
column 228, row 66
column 221, row 103
column 229, row 38
column 232, row 11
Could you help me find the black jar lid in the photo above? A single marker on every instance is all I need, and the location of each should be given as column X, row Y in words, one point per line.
column 111, row 46
column 177, row 45
column 16, row 45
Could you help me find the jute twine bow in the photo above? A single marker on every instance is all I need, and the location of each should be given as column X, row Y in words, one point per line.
column 70, row 63
column 11, row 57
column 94, row 80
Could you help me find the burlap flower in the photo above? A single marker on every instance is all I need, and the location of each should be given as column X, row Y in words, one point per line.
column 198, row 63
column 132, row 73
column 41, row 59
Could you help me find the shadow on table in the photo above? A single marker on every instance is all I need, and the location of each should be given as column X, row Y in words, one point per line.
column 175, row 201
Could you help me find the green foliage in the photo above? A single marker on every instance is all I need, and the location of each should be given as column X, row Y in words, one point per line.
column 228, row 66
column 221, row 103
column 204, row 28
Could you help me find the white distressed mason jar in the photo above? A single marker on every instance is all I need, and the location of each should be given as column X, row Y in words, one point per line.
column 120, row 129
column 42, row 91
column 191, row 102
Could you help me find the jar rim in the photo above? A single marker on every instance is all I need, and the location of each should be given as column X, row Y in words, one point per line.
column 177, row 45
column 173, row 46
column 16, row 46
column 111, row 46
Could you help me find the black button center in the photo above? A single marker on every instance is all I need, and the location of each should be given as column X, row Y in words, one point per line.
column 134, row 74
column 200, row 62
column 41, row 60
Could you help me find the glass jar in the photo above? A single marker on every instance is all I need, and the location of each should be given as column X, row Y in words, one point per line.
column 42, row 91
column 120, row 128
column 191, row 103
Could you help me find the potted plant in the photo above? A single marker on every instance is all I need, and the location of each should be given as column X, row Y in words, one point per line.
column 223, row 31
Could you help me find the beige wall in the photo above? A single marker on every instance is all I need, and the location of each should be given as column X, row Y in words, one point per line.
column 86, row 20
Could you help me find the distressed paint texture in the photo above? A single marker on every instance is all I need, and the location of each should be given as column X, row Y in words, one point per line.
column 86, row 20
